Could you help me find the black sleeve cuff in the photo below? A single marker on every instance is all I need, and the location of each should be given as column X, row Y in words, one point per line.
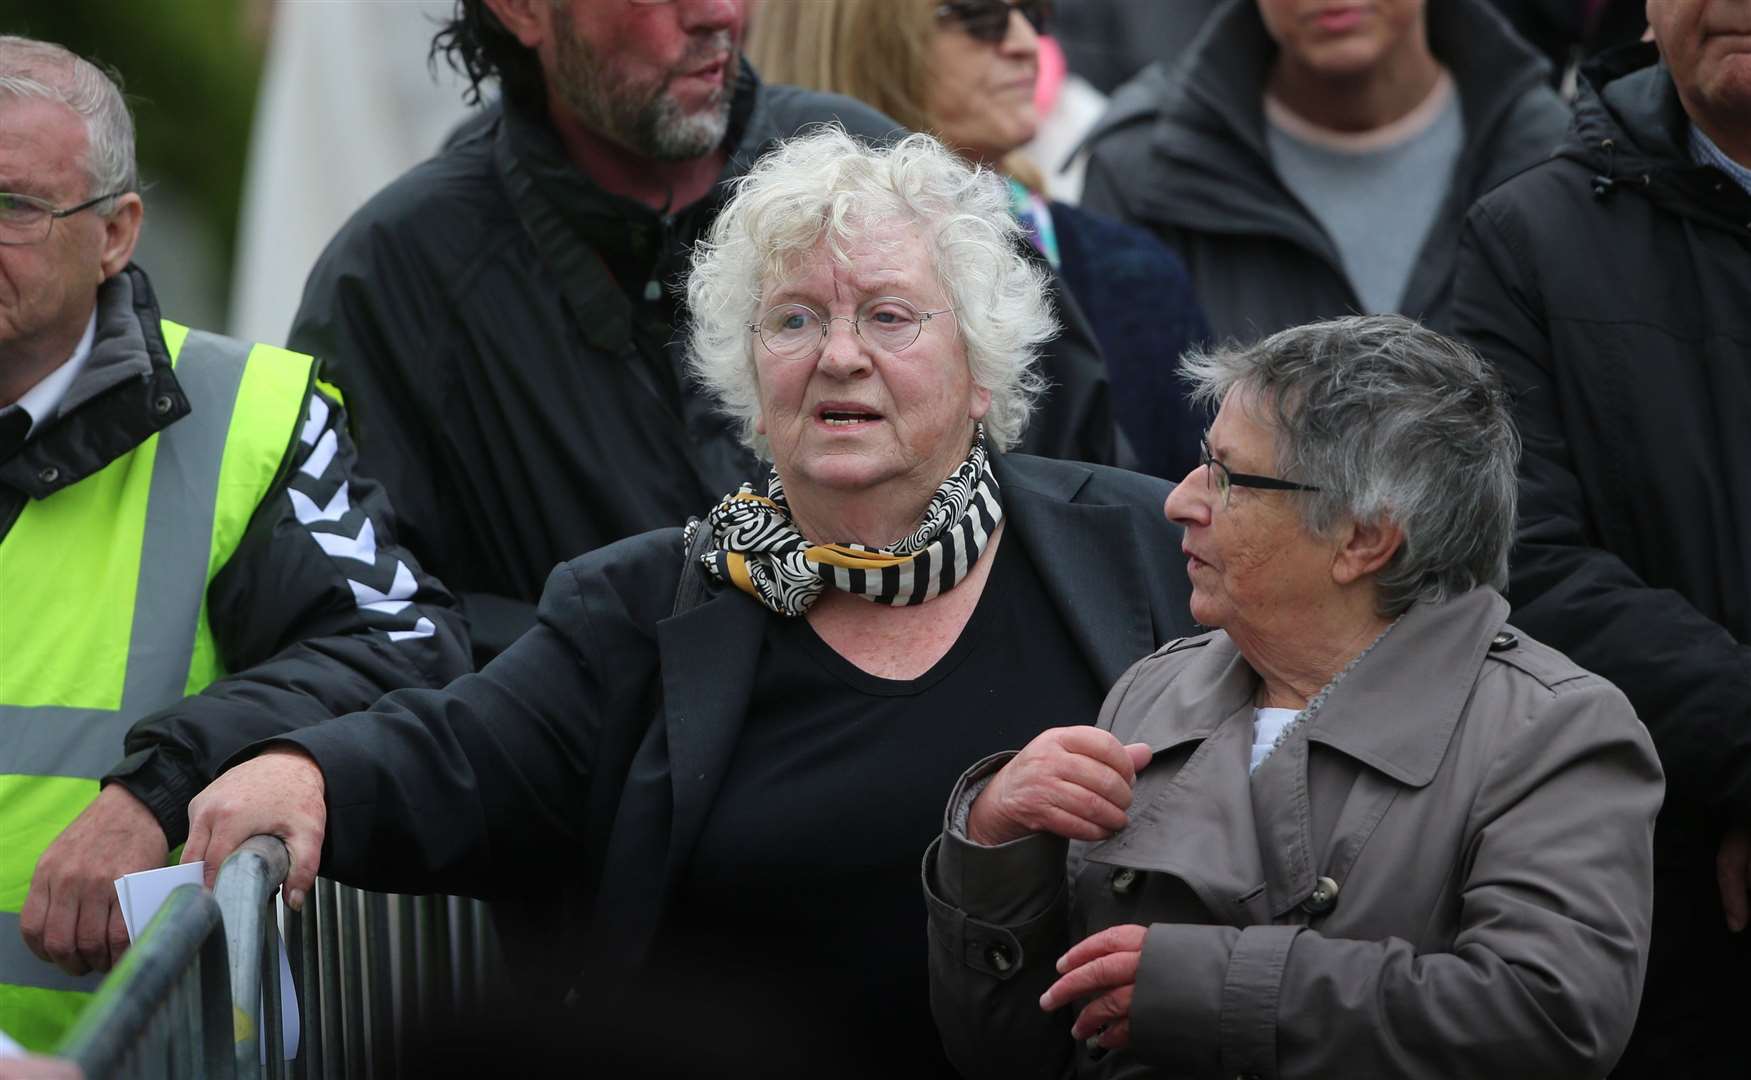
column 157, row 778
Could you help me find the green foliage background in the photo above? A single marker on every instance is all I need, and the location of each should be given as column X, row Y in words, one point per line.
column 190, row 69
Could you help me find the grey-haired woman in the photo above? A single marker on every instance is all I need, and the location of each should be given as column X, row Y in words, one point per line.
column 1362, row 827
column 741, row 785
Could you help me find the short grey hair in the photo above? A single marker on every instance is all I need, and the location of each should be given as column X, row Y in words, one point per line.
column 1392, row 422
column 40, row 69
column 828, row 185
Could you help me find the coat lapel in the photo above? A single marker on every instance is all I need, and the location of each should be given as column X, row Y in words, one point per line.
column 1197, row 823
column 707, row 660
column 1091, row 559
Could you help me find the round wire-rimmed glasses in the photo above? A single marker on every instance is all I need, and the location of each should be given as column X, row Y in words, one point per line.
column 26, row 219
column 793, row 331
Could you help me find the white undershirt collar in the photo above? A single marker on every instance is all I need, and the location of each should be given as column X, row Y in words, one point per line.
column 41, row 400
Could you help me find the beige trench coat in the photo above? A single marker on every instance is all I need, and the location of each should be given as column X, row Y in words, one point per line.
column 1445, row 871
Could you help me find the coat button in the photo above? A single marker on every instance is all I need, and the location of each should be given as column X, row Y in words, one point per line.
column 999, row 958
column 1124, row 879
column 1504, row 641
column 163, row 403
column 1323, row 898
column 49, row 475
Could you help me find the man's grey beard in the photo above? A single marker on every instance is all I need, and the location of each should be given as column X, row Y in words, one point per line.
column 644, row 119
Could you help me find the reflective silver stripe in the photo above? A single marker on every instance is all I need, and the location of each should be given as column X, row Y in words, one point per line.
column 36, row 742
column 176, row 546
column 20, row 967
column 179, row 525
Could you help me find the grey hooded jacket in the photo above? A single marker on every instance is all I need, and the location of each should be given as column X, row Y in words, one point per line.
column 1182, row 151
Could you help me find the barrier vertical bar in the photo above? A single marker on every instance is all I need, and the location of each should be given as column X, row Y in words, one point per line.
column 352, row 978
column 379, row 985
column 273, row 1035
column 407, row 1004
column 328, row 962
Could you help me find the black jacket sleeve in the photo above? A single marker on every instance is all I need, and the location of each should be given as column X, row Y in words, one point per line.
column 1689, row 680
column 368, row 310
column 318, row 612
column 473, row 788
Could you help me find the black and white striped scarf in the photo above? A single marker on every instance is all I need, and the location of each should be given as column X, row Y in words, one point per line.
column 756, row 547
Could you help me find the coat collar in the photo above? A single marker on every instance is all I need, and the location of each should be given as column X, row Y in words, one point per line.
column 125, row 394
column 1396, row 679
column 1426, row 665
column 1187, row 825
column 1089, row 555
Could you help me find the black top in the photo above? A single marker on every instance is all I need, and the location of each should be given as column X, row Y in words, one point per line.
column 801, row 900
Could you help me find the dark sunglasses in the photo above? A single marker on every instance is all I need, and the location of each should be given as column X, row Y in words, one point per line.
column 988, row 20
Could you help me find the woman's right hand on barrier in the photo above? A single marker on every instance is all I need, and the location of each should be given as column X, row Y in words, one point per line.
column 277, row 793
column 1074, row 782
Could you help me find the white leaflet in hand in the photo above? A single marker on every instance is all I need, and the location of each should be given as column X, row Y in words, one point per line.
column 142, row 894
column 8, row 1048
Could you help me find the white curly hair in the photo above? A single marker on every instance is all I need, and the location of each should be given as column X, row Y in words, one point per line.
column 826, row 185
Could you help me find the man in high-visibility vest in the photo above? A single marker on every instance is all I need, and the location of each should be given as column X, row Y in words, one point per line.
column 182, row 540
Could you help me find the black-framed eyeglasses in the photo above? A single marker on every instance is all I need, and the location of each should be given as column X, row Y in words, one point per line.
column 988, row 20
column 889, row 323
column 26, row 219
column 1223, row 481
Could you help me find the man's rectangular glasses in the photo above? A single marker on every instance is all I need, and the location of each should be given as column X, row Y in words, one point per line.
column 1223, row 482
column 26, row 219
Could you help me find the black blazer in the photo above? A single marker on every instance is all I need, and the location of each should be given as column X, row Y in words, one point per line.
column 588, row 754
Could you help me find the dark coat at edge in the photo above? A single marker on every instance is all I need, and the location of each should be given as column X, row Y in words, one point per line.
column 1609, row 287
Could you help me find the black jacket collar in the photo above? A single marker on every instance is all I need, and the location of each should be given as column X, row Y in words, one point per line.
column 1630, row 128
column 125, row 394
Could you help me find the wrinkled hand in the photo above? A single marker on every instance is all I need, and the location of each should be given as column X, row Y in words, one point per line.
column 280, row 793
column 71, row 917
column 1733, row 872
column 1074, row 782
column 1102, row 967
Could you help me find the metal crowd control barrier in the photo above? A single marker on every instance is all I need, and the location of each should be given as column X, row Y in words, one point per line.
column 166, row 1008
column 368, row 969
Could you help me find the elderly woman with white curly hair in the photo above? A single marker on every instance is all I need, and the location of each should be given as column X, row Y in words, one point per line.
column 740, row 737
column 1362, row 827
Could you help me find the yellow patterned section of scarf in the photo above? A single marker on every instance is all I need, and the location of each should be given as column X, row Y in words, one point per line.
column 848, row 558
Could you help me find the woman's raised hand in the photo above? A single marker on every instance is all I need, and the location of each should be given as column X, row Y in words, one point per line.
column 1074, row 782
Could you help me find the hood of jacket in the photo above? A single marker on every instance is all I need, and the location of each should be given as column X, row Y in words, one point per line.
column 1207, row 124
column 1631, row 130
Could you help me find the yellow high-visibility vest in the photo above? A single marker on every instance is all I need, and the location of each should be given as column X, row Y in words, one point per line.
column 103, row 617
